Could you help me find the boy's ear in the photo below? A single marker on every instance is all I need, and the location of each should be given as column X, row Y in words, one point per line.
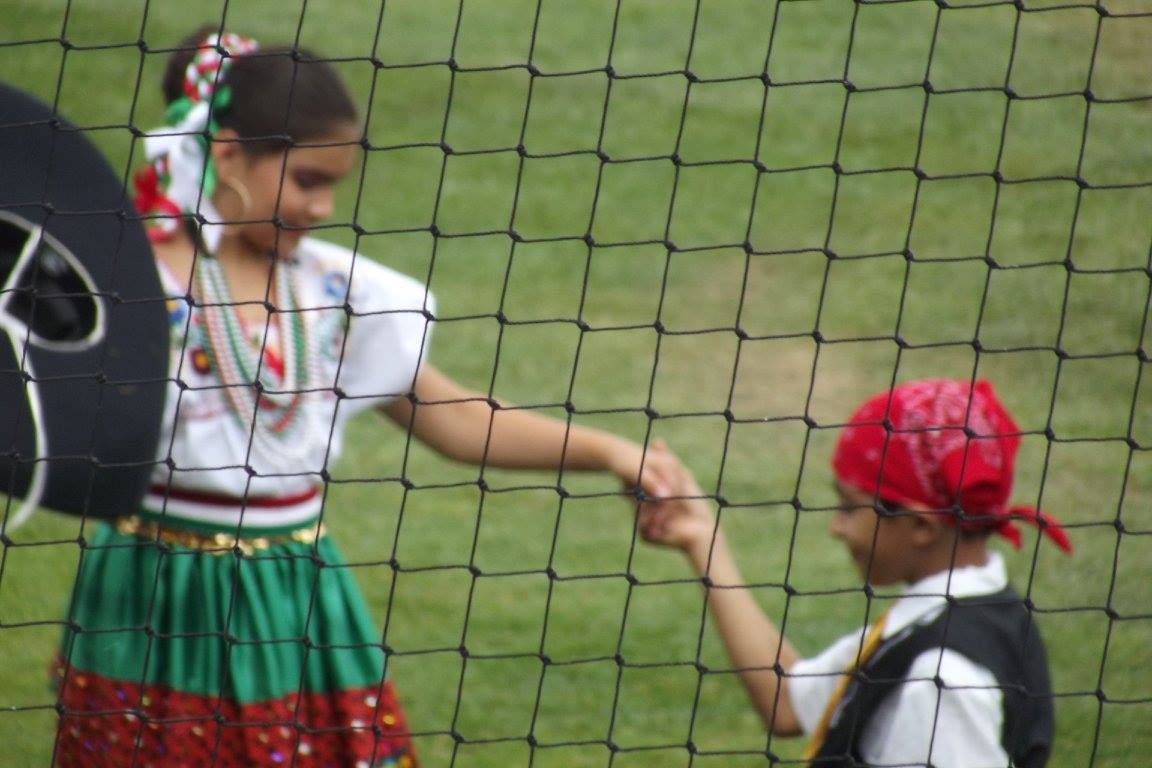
column 927, row 527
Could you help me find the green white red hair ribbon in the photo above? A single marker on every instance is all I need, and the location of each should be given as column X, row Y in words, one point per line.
column 179, row 179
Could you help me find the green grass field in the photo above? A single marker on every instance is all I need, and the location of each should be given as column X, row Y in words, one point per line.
column 972, row 273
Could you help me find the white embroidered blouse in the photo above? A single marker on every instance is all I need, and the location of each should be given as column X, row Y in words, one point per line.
column 369, row 326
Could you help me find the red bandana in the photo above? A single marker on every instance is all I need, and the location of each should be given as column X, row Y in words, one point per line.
column 941, row 444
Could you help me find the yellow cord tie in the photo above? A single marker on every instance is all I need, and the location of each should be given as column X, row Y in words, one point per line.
column 872, row 641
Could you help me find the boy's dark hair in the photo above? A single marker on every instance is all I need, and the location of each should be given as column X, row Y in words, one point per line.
column 892, row 509
column 281, row 96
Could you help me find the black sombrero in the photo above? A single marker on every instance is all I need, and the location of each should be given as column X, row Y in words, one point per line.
column 83, row 325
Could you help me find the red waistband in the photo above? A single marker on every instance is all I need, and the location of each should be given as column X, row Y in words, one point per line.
column 220, row 500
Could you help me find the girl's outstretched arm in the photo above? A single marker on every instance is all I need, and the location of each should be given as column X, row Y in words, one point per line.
column 754, row 644
column 467, row 426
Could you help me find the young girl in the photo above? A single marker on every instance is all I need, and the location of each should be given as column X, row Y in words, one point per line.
column 215, row 626
column 953, row 674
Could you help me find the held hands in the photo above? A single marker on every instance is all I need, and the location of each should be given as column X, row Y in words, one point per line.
column 682, row 518
column 653, row 471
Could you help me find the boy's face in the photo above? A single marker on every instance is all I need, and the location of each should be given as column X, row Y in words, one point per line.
column 881, row 546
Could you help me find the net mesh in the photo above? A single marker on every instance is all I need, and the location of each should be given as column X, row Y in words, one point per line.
column 719, row 224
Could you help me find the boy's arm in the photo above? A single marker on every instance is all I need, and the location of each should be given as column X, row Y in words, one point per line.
column 754, row 644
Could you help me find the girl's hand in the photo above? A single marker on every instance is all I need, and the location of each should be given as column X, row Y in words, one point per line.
column 683, row 519
column 654, row 470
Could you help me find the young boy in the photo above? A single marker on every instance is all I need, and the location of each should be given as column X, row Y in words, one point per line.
column 954, row 673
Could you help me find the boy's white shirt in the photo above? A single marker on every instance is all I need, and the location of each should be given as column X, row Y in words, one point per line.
column 956, row 725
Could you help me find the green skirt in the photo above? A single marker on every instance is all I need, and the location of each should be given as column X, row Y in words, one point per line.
column 177, row 654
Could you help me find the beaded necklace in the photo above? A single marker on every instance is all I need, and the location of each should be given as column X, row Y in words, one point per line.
column 251, row 393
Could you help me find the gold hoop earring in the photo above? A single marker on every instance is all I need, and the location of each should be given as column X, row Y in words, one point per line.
column 241, row 191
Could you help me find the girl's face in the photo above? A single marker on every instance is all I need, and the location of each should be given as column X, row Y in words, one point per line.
column 288, row 192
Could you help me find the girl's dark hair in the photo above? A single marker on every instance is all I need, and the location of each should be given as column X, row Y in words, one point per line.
column 281, row 96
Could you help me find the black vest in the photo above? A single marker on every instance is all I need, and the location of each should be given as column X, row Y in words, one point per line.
column 995, row 631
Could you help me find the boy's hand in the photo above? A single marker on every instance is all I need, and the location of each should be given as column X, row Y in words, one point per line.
column 683, row 520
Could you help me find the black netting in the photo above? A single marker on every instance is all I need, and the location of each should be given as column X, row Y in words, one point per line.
column 721, row 225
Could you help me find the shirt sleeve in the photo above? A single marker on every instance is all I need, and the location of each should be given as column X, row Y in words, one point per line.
column 389, row 325
column 811, row 682
column 955, row 724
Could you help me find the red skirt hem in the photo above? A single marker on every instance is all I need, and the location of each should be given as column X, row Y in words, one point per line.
column 106, row 722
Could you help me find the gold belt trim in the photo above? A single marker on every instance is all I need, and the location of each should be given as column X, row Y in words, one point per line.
column 215, row 543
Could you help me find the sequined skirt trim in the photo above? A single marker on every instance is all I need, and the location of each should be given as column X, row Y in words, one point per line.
column 110, row 723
